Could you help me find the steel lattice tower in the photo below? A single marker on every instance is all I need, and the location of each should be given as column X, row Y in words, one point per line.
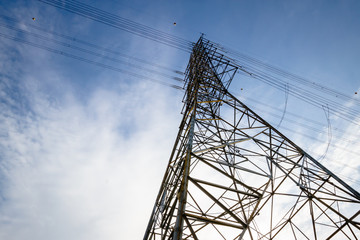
column 231, row 175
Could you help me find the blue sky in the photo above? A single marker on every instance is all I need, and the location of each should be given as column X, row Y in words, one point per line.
column 83, row 148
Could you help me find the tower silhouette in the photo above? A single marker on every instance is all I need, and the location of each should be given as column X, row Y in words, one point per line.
column 231, row 175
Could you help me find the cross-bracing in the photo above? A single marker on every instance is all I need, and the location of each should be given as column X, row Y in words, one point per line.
column 231, row 175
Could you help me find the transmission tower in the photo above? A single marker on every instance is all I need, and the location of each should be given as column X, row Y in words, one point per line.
column 231, row 175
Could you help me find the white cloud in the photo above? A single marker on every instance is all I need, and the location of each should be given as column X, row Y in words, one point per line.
column 79, row 167
column 71, row 172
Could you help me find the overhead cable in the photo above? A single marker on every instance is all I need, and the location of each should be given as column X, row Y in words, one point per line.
column 124, row 24
column 87, row 60
column 88, row 44
column 27, row 33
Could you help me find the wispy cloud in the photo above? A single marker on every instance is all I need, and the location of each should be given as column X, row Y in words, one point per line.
column 79, row 167
column 79, row 171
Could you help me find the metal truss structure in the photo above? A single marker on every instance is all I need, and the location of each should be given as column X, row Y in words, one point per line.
column 231, row 175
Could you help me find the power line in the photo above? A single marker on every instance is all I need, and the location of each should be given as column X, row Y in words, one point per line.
column 299, row 124
column 124, row 24
column 286, row 101
column 167, row 39
column 27, row 33
column 314, row 99
column 273, row 76
column 327, row 114
column 87, row 51
column 92, row 45
column 256, row 62
column 122, row 71
column 302, row 133
column 144, row 31
column 87, row 60
column 297, row 116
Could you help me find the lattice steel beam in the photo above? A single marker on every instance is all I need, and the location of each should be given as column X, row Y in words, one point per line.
column 231, row 175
